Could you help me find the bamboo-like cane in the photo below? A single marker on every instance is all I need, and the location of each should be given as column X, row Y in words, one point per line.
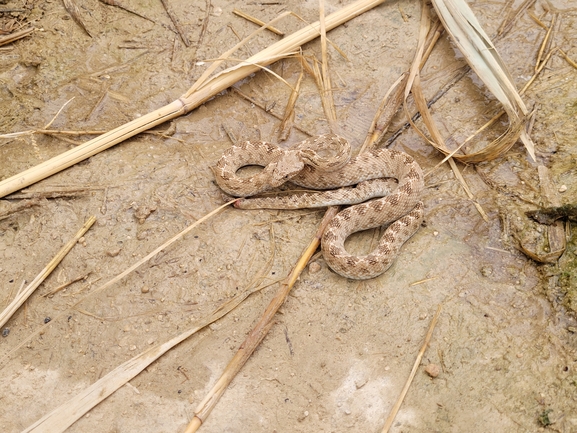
column 185, row 103
column 25, row 294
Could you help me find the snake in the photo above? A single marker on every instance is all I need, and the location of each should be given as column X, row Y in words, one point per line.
column 362, row 182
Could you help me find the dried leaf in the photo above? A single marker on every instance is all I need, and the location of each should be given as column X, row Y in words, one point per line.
column 482, row 56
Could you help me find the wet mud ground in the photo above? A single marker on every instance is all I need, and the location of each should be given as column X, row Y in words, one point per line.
column 340, row 350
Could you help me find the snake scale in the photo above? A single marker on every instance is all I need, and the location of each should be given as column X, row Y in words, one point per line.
column 342, row 181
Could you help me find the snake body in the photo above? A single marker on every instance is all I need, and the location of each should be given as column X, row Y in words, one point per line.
column 342, row 181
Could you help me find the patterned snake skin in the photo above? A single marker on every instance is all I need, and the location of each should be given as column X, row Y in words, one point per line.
column 351, row 182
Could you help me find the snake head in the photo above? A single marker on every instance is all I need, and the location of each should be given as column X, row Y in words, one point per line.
column 286, row 168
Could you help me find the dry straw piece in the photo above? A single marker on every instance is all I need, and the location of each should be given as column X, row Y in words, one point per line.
column 199, row 93
column 482, row 56
column 25, row 294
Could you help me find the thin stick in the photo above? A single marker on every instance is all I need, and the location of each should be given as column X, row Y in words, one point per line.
column 63, row 286
column 259, row 331
column 176, row 23
column 15, row 36
column 23, row 295
column 544, row 43
column 256, row 21
column 387, row 109
column 186, row 103
column 396, row 407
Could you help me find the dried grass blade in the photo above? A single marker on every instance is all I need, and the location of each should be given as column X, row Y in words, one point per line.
column 545, row 43
column 23, row 295
column 289, row 113
column 513, row 16
column 256, row 21
column 415, row 87
column 438, row 142
column 480, row 52
column 206, row 74
column 326, row 90
column 391, row 418
column 385, row 112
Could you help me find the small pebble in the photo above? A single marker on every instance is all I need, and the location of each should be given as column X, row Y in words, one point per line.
column 314, row 267
column 432, row 370
column 5, row 332
column 145, row 289
column 47, row 320
column 563, row 188
column 113, row 253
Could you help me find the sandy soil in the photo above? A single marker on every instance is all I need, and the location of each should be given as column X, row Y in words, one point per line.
column 341, row 350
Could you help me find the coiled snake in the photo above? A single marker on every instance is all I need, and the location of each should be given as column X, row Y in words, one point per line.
column 350, row 182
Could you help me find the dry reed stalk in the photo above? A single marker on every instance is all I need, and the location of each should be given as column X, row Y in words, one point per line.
column 256, row 21
column 258, row 332
column 397, row 406
column 545, row 43
column 325, row 78
column 438, row 141
column 24, row 294
column 286, row 124
column 385, row 112
column 394, row 96
column 513, row 16
column 196, row 96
